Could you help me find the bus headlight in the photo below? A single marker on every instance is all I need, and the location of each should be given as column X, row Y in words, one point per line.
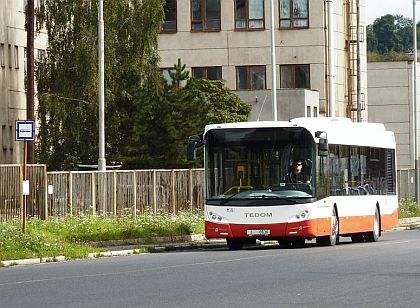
column 302, row 215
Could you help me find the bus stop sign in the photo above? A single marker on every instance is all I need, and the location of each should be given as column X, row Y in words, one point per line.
column 25, row 130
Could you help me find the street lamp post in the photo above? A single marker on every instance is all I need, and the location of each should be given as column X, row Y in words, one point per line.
column 273, row 62
column 101, row 159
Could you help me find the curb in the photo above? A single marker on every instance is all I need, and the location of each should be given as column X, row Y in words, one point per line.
column 161, row 244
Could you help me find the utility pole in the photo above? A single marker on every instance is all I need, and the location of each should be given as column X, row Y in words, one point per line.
column 30, row 92
column 358, row 86
column 273, row 62
column 416, row 153
column 101, row 159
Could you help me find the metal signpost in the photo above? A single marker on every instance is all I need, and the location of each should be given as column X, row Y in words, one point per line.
column 25, row 131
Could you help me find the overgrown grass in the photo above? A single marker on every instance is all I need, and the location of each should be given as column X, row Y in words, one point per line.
column 408, row 208
column 70, row 236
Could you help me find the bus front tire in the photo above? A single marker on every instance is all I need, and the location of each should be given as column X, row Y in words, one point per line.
column 333, row 238
column 234, row 243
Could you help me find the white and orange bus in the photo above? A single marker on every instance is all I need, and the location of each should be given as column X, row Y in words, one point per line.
column 349, row 188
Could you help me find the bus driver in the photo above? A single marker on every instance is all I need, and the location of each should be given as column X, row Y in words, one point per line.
column 299, row 174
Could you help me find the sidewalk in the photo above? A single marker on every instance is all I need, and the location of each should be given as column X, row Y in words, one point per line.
column 176, row 243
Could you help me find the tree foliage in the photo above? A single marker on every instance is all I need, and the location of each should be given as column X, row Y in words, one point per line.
column 68, row 78
column 163, row 127
column 147, row 120
column 390, row 33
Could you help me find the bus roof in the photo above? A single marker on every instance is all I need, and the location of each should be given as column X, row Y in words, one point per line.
column 339, row 130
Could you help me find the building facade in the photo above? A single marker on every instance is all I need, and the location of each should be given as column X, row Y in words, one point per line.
column 12, row 75
column 390, row 90
column 231, row 40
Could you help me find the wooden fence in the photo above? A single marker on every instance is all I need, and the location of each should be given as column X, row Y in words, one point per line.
column 114, row 192
column 11, row 198
column 125, row 192
column 101, row 193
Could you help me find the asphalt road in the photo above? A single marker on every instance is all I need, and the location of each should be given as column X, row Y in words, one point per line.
column 382, row 274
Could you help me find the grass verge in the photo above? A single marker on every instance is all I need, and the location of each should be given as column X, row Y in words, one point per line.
column 70, row 236
column 408, row 208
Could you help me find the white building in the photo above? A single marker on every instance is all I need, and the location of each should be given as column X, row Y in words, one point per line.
column 230, row 40
column 12, row 75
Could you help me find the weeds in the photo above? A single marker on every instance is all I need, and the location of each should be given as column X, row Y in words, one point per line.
column 70, row 236
column 408, row 208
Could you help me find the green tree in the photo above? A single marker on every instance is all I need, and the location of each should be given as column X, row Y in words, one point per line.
column 162, row 128
column 390, row 33
column 68, row 78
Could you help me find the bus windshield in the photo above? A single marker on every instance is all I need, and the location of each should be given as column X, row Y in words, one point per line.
column 259, row 164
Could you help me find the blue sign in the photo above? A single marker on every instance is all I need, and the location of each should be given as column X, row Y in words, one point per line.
column 25, row 130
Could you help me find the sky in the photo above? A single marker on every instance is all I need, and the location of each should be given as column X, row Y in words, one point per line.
column 378, row 8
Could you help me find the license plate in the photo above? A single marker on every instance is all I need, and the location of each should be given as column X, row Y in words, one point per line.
column 263, row 232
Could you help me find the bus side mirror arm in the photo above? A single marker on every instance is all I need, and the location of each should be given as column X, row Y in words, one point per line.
column 322, row 144
column 194, row 142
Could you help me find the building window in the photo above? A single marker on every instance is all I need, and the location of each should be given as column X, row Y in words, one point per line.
column 295, row 76
column 210, row 73
column 205, row 15
column 250, row 77
column 308, row 111
column 4, row 137
column 249, row 14
column 169, row 23
column 41, row 55
column 16, row 56
column 2, row 52
column 315, row 112
column 294, row 14
column 10, row 56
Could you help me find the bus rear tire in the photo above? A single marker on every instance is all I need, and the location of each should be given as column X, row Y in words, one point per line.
column 333, row 238
column 374, row 235
column 234, row 243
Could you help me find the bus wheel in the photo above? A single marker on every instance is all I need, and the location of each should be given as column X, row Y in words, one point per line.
column 333, row 238
column 373, row 236
column 234, row 243
column 357, row 238
column 298, row 243
column 285, row 243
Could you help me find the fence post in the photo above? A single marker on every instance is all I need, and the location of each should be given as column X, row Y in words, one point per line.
column 190, row 188
column 92, row 183
column 71, row 193
column 115, row 193
column 134, row 194
column 154, row 193
column 174, row 209
column 44, row 170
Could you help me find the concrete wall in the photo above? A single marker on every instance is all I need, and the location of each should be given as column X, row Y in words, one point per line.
column 291, row 103
column 390, row 102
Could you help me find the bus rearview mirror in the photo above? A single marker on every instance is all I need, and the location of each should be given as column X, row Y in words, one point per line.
column 191, row 151
column 323, row 147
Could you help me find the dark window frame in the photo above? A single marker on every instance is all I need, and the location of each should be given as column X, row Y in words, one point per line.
column 291, row 18
column 166, row 22
column 204, row 19
column 293, row 75
column 247, row 19
column 206, row 68
column 249, row 77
